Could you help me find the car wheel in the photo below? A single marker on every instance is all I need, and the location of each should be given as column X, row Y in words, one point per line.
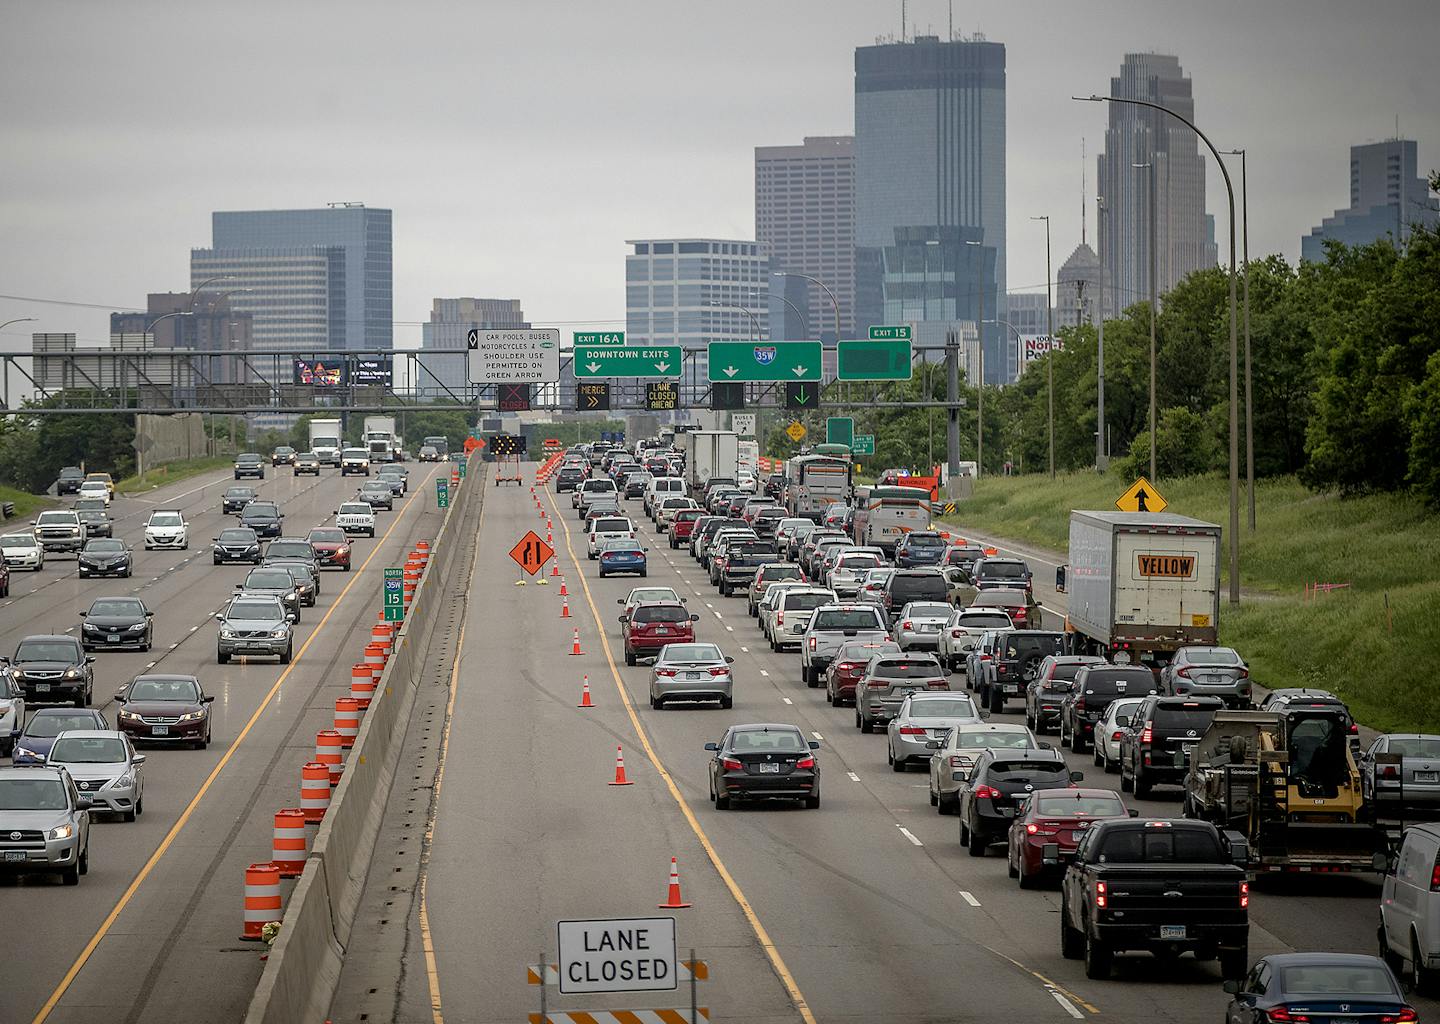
column 1072, row 941
column 1110, row 765
column 84, row 863
column 643, row 573
column 934, row 800
column 726, row 703
column 974, row 843
column 1010, row 869
column 1127, row 785
column 1077, row 743
column 867, row 724
column 128, row 815
column 71, row 875
column 1141, row 783
column 289, row 653
column 656, row 703
column 1099, row 758
column 946, row 806
column 1234, row 962
column 221, row 658
column 812, row 801
column 722, row 803
column 1098, row 959
column 1026, row 880
column 347, row 566
column 629, row 657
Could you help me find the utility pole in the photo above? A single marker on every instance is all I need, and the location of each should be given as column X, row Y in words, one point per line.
column 1050, row 356
column 1151, row 165
column 1249, row 402
column 1101, row 463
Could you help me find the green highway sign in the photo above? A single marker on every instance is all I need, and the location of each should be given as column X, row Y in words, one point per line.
column 840, row 430
column 863, row 444
column 394, row 603
column 900, row 332
column 802, row 394
column 462, row 467
column 628, row 361
column 775, row 361
column 442, row 493
column 590, row 338
column 875, row 359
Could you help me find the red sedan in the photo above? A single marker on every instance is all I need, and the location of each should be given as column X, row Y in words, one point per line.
column 652, row 625
column 1050, row 824
column 843, row 673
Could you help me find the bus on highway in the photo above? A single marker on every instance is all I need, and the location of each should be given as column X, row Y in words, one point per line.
column 884, row 514
column 814, row 482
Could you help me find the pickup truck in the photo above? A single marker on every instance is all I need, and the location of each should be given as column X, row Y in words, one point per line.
column 1163, row 885
column 831, row 627
column 741, row 561
column 60, row 530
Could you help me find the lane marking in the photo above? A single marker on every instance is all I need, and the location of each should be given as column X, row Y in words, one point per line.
column 75, row 968
column 764, row 673
column 818, row 736
column 1066, row 1005
column 772, row 952
column 787, row 700
column 853, row 776
column 908, row 834
column 744, row 650
column 968, row 898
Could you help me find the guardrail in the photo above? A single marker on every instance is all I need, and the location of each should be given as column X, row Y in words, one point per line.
column 303, row 969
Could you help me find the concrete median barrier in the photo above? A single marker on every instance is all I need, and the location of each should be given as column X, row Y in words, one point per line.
column 303, row 970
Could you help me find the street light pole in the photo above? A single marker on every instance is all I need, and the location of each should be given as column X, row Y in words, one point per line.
column 979, row 374
column 1101, row 463
column 1249, row 404
column 834, row 302
column 1151, row 165
column 1234, row 338
column 1050, row 356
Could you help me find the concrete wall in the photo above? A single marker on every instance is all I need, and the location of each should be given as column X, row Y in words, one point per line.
column 171, row 438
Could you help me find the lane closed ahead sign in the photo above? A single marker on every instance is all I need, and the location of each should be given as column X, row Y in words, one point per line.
column 624, row 955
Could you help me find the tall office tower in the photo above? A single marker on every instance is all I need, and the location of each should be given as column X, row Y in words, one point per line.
column 805, row 213
column 1144, row 146
column 1388, row 198
column 691, row 291
column 442, row 340
column 1077, row 289
column 930, row 187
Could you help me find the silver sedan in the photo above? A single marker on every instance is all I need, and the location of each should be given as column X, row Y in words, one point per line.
column 691, row 672
column 954, row 756
column 925, row 717
column 105, row 767
column 919, row 624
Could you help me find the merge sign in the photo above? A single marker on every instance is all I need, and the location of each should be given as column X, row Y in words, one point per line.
column 520, row 356
column 618, row 955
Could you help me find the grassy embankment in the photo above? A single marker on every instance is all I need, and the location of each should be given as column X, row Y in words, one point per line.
column 171, row 472
column 1376, row 643
column 27, row 505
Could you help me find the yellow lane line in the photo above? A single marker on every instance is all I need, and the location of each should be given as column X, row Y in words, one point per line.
column 184, row 818
column 427, row 941
column 762, row 936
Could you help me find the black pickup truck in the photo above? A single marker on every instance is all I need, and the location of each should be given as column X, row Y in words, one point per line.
column 741, row 561
column 1168, row 886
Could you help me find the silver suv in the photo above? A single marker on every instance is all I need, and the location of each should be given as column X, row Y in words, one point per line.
column 255, row 624
column 831, row 626
column 44, row 823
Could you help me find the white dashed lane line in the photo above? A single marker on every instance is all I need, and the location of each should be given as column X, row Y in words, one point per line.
column 764, row 673
column 968, row 898
column 853, row 776
column 787, row 700
column 1065, row 1004
column 909, row 835
column 817, row 736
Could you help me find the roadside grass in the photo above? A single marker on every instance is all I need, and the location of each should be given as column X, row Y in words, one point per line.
column 1386, row 547
column 170, row 472
column 26, row 504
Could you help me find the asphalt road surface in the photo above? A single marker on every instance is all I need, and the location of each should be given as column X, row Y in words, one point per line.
column 866, row 909
column 151, row 933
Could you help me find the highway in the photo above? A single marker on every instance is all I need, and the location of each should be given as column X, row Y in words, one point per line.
column 152, row 932
column 866, row 909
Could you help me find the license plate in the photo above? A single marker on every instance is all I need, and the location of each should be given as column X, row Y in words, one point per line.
column 13, row 855
column 662, row 631
column 159, row 730
column 769, row 769
column 1012, row 687
column 690, row 675
column 1425, row 776
column 113, row 638
column 42, row 687
column 1172, row 931
column 929, row 628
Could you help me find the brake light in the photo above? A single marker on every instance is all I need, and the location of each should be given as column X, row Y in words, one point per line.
column 1244, row 673
column 907, row 625
column 1244, row 895
column 1036, row 830
column 1116, row 735
column 731, row 765
column 1406, row 1014
column 911, row 730
column 1389, row 771
column 1280, row 1015
column 1146, row 735
column 805, row 762
column 956, row 633
column 664, row 671
column 1183, row 672
column 877, row 683
column 984, row 657
column 1080, row 704
column 1435, row 876
column 1354, row 729
column 780, row 618
column 987, row 793
column 812, row 643
column 1102, row 899
column 959, row 762
column 719, row 671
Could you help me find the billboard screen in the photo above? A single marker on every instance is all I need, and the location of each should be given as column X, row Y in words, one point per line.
column 372, row 371
column 1033, row 346
column 320, row 372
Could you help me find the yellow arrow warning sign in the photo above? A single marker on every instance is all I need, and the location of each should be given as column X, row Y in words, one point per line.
column 1141, row 496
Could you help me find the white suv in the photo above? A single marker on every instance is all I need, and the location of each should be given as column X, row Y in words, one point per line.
column 356, row 517
column 607, row 528
column 95, row 489
column 166, row 528
column 354, row 460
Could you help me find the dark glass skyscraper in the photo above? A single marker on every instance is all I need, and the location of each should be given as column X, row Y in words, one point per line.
column 930, row 187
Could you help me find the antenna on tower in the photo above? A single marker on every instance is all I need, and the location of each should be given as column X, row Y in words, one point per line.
column 1083, row 203
column 951, row 6
column 902, row 20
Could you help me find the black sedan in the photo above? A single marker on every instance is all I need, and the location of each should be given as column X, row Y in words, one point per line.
column 164, row 709
column 1324, row 988
column 239, row 544
column 762, row 762
column 97, row 522
column 264, row 517
column 236, row 498
column 106, row 557
column 117, row 622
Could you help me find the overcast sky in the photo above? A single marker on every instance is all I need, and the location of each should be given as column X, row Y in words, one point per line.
column 520, row 142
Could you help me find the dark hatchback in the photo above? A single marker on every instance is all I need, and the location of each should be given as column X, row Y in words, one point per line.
column 919, row 547
column 764, row 762
column 569, row 478
column 236, row 498
column 115, row 623
column 106, row 557
column 264, row 517
column 1000, row 780
column 239, row 544
column 1321, row 988
column 33, row 744
column 164, row 709
column 53, row 668
column 906, row 585
column 1095, row 687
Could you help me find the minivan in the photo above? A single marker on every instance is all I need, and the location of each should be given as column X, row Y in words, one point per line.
column 662, row 487
column 1410, row 907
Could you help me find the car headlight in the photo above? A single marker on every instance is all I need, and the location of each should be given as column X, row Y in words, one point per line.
column 25, row 752
column 128, row 716
column 16, row 673
column 192, row 716
column 290, row 596
column 280, row 634
column 342, row 551
column 124, row 781
column 72, row 673
column 61, row 832
column 227, row 633
column 91, row 627
column 137, row 628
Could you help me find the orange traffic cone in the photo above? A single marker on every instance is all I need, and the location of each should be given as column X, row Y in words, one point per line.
column 620, row 779
column 585, row 701
column 575, row 644
column 565, row 608
column 673, row 900
column 554, row 566
column 563, row 591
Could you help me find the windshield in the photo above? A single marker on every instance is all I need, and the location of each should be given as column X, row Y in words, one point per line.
column 1212, row 656
column 1109, row 681
column 255, row 510
column 256, row 611
column 354, row 509
column 1337, row 980
column 761, row 740
column 976, row 738
column 237, row 537
column 240, row 492
column 653, row 594
column 290, row 549
column 805, row 602
column 1415, row 746
column 46, row 650
column 270, row 579
column 858, row 618
column 612, row 525
column 105, row 546
column 905, row 670
column 624, row 544
column 62, row 518
column 929, row 611
column 1147, row 845
column 663, row 613
column 693, row 652
column 88, row 750
column 167, row 519
column 1087, row 806
column 17, row 540
column 1003, row 570
column 44, row 725
column 921, row 540
column 780, row 572
column 117, row 606
column 326, row 537
column 950, row 707
column 904, row 589
column 858, row 561
column 33, row 795
column 989, row 620
column 1173, row 718
column 164, row 689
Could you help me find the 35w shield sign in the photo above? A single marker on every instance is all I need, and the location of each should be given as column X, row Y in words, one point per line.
column 765, row 356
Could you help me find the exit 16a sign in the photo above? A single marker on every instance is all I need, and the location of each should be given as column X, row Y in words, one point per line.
column 583, row 338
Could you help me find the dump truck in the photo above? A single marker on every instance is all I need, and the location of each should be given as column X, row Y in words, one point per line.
column 1288, row 782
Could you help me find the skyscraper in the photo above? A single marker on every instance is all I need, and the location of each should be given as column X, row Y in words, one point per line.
column 443, row 339
column 930, row 187
column 1138, row 135
column 1387, row 199
column 805, row 213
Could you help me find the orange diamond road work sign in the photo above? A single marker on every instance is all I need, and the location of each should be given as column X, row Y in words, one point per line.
column 532, row 553
column 471, row 443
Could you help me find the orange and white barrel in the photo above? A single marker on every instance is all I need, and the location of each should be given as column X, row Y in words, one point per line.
column 376, row 657
column 314, row 791
column 347, row 720
column 262, row 899
column 329, row 751
column 287, row 851
column 362, row 684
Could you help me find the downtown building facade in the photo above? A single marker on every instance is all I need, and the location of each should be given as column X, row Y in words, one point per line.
column 930, row 232
column 1148, row 150
column 442, row 369
column 805, row 214
column 204, row 323
column 1388, row 199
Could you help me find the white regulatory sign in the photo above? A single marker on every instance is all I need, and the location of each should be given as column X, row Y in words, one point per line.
column 623, row 955
column 743, row 423
column 518, row 356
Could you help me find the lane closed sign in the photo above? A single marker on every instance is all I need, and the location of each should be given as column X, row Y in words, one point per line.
column 625, row 955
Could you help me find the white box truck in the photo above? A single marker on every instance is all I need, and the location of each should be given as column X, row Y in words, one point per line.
column 325, row 441
column 710, row 453
column 381, row 439
column 1140, row 585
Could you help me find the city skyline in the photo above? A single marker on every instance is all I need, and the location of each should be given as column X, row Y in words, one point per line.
column 461, row 215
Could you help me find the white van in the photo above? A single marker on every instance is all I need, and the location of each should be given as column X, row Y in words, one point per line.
column 1410, row 907
column 665, row 487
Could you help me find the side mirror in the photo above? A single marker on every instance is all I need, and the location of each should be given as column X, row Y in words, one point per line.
column 624, row 618
column 89, row 659
column 729, row 660
column 712, row 746
column 684, row 600
column 1232, row 986
column 1076, row 776
column 1134, row 813
column 620, row 601
column 219, row 617
column 84, row 802
column 120, row 695
column 984, row 716
column 84, row 612
column 1047, row 746
column 290, row 617
column 694, row 618
column 208, row 699
column 138, row 759
column 814, row 744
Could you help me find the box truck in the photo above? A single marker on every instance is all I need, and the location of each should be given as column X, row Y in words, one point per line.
column 325, row 441
column 1140, row 585
column 710, row 453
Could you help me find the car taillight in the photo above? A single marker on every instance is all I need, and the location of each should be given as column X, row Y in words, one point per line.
column 877, row 684
column 805, row 762
column 1102, row 898
column 1037, row 830
column 1389, row 771
column 1116, row 735
column 1146, row 735
column 1354, row 729
column 1280, row 1015
column 664, row 671
column 1244, row 895
column 812, row 643
column 987, row 793
column 1079, row 704
column 780, row 618
column 907, row 625
column 911, row 730
column 731, row 765
column 1435, row 876
column 959, row 762
column 1405, row 1015
column 719, row 671
column 1244, row 673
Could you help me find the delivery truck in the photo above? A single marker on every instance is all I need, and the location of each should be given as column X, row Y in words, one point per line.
column 709, row 453
column 1141, row 585
column 325, row 441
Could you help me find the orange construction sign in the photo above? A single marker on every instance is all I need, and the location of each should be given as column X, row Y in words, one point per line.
column 532, row 553
column 471, row 443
